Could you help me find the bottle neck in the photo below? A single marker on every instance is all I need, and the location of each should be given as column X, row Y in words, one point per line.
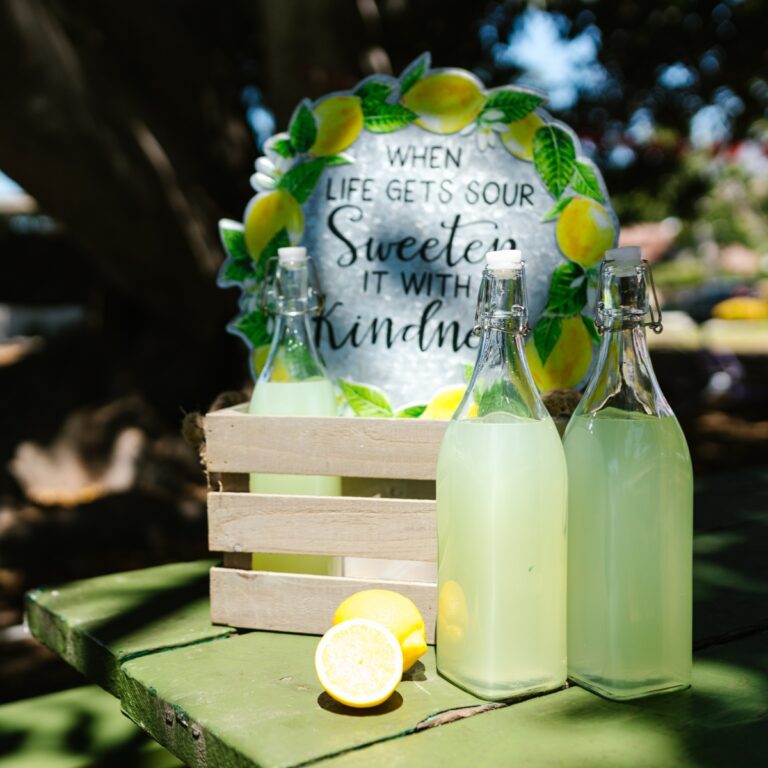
column 624, row 377
column 501, row 382
column 293, row 356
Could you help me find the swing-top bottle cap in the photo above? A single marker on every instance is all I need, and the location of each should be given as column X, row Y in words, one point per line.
column 291, row 256
column 629, row 255
column 503, row 260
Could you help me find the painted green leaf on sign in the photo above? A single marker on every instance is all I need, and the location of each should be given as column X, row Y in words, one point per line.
column 237, row 271
column 554, row 157
column 590, row 326
column 254, row 326
column 284, row 148
column 546, row 335
column 413, row 74
column 238, row 266
column 366, row 400
column 584, row 181
column 411, row 412
column 233, row 238
column 381, row 117
column 301, row 180
column 280, row 240
column 567, row 291
column 557, row 208
column 303, row 129
column 514, row 104
column 374, row 90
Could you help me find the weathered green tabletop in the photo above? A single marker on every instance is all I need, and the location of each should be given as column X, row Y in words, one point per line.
column 216, row 697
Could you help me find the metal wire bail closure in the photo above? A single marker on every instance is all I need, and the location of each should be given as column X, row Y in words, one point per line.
column 513, row 320
column 654, row 307
column 271, row 298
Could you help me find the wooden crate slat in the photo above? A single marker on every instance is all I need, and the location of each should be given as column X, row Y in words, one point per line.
column 397, row 529
column 286, row 602
column 349, row 447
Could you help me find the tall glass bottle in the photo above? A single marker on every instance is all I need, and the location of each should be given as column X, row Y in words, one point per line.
column 501, row 513
column 293, row 382
column 630, row 507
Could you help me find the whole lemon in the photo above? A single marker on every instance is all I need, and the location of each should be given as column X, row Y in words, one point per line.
column 585, row 231
column 266, row 215
column 518, row 138
column 445, row 102
column 741, row 308
column 394, row 611
column 568, row 362
column 339, row 122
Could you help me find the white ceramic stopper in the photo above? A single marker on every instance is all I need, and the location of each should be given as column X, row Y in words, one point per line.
column 628, row 255
column 503, row 261
column 293, row 256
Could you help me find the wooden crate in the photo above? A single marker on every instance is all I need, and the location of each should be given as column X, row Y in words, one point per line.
column 349, row 526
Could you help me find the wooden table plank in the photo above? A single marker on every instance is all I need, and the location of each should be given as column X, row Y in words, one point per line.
column 721, row 721
column 73, row 729
column 255, row 700
column 96, row 624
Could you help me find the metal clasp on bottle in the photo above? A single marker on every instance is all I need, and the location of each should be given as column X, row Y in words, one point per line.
column 507, row 323
column 272, row 300
column 654, row 307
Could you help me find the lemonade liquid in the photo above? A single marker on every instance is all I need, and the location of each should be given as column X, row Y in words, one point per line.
column 630, row 531
column 502, row 563
column 293, row 383
column 312, row 397
column 630, row 510
column 501, row 514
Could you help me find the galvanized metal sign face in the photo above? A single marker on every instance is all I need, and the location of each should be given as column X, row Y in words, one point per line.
column 398, row 189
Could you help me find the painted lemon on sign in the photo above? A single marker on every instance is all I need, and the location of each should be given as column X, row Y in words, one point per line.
column 585, row 231
column 445, row 102
column 568, row 362
column 280, row 370
column 444, row 404
column 339, row 122
column 267, row 215
column 518, row 138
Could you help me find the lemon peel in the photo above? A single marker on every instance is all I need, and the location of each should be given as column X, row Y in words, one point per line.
column 394, row 611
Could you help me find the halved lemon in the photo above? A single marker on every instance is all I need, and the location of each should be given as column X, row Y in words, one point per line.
column 359, row 663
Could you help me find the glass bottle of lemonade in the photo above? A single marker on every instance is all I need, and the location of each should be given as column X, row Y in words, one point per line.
column 501, row 513
column 294, row 383
column 630, row 507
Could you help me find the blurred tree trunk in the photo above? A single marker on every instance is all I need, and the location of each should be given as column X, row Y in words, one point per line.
column 125, row 122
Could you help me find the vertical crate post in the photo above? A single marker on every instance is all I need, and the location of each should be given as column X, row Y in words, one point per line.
column 239, row 522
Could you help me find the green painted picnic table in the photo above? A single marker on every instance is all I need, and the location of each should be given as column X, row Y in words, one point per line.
column 214, row 696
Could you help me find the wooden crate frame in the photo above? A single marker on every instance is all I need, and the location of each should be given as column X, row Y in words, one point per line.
column 240, row 522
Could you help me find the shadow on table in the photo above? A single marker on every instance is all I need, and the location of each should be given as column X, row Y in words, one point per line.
column 79, row 727
column 395, row 701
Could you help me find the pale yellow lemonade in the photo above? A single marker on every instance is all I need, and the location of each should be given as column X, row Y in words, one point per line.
column 501, row 522
column 310, row 397
column 630, row 527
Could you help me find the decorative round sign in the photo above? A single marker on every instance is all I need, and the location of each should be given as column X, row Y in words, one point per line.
column 398, row 189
